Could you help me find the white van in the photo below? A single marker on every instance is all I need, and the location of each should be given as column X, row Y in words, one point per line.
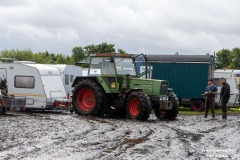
column 232, row 81
column 42, row 85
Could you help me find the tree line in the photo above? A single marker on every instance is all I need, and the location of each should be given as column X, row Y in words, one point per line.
column 228, row 58
column 225, row 58
column 78, row 53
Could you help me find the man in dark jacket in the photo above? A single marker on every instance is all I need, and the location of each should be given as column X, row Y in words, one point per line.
column 224, row 97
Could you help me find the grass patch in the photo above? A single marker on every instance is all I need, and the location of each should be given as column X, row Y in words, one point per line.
column 188, row 111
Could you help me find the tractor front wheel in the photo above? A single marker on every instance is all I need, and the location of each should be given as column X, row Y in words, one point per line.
column 88, row 98
column 138, row 105
column 168, row 114
column 172, row 114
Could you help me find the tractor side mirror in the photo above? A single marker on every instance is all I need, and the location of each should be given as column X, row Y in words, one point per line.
column 112, row 59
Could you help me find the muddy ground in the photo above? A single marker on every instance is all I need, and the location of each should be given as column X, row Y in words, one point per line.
column 64, row 136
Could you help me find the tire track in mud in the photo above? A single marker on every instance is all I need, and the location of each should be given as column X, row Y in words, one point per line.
column 55, row 141
column 213, row 129
column 124, row 144
column 186, row 137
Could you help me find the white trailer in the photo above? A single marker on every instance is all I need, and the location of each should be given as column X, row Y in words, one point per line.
column 41, row 84
column 232, row 81
column 68, row 74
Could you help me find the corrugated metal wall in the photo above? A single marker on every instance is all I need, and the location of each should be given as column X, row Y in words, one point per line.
column 187, row 79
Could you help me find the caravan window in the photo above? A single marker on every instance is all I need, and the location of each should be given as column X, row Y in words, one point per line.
column 66, row 79
column 72, row 78
column 24, row 82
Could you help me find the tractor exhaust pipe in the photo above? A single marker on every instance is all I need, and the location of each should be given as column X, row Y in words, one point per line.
column 127, row 81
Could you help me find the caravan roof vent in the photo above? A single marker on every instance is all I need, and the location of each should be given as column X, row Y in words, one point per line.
column 25, row 62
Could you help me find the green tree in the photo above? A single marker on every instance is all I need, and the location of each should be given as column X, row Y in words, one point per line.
column 223, row 58
column 121, row 51
column 100, row 48
column 235, row 58
column 61, row 59
column 78, row 53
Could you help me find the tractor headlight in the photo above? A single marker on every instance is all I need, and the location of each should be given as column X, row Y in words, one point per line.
column 114, row 85
column 164, row 98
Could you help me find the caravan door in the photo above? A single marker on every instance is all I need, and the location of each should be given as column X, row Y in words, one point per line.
column 54, row 89
column 3, row 73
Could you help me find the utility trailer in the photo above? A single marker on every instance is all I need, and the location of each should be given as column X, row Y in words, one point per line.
column 187, row 75
column 10, row 103
column 42, row 85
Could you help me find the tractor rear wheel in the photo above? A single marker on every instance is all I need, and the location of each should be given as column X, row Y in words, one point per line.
column 138, row 105
column 88, row 98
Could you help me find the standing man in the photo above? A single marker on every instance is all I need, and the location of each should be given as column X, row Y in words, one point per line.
column 210, row 92
column 224, row 97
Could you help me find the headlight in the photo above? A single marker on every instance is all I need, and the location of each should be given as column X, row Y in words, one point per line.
column 165, row 98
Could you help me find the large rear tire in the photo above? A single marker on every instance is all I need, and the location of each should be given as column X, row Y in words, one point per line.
column 138, row 105
column 89, row 98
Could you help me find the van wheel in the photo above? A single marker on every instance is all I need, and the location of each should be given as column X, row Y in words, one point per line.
column 197, row 105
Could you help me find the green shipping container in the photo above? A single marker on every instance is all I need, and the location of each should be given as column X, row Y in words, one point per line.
column 187, row 79
column 187, row 75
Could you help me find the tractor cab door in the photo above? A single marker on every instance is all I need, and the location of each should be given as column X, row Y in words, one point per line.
column 104, row 68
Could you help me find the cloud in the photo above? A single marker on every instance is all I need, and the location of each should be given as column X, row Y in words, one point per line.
column 154, row 26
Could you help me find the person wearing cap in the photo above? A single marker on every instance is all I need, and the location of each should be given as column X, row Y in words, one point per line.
column 224, row 97
column 210, row 92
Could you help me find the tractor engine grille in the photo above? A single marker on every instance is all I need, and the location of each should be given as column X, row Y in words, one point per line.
column 164, row 88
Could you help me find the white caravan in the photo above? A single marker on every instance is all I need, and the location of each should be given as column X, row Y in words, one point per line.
column 41, row 84
column 232, row 81
column 237, row 73
column 68, row 74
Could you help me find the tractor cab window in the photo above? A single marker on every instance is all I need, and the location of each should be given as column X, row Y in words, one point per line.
column 101, row 65
column 125, row 66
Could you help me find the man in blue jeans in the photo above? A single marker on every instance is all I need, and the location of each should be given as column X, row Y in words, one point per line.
column 210, row 92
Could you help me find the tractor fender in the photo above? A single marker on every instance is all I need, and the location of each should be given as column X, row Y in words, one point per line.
column 128, row 91
column 98, row 80
column 79, row 78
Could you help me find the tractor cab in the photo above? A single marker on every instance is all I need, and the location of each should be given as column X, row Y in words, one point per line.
column 112, row 64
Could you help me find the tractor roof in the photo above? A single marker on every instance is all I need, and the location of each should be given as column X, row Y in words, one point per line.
column 86, row 60
column 112, row 54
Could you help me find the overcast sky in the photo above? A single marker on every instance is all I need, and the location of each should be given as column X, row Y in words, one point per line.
column 148, row 26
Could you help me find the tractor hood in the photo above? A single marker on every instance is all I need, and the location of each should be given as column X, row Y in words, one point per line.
column 151, row 86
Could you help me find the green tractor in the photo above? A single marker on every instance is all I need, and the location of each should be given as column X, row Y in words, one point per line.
column 113, row 86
